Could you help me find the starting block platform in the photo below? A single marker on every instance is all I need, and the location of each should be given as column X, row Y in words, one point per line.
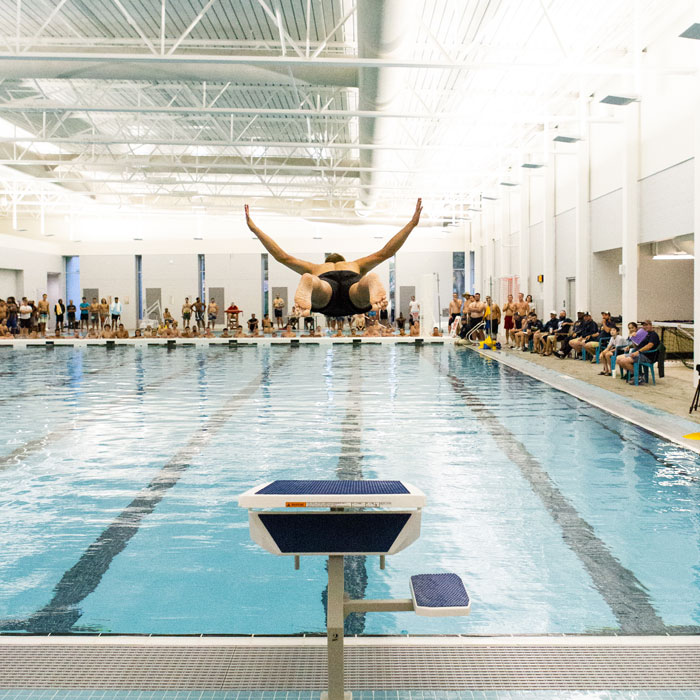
column 349, row 517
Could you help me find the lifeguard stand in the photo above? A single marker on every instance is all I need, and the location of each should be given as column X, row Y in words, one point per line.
column 339, row 518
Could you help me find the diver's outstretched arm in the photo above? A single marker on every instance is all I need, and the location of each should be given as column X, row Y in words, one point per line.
column 300, row 266
column 367, row 263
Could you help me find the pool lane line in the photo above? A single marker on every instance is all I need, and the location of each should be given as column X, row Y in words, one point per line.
column 624, row 594
column 61, row 612
column 665, row 425
column 349, row 467
column 31, row 447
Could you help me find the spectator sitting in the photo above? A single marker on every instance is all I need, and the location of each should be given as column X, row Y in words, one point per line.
column 267, row 324
column 252, row 323
column 225, row 333
column 615, row 346
column 576, row 334
column 589, row 332
column 534, row 325
column 436, row 332
column 137, row 333
column 601, row 336
column 122, row 332
column 167, row 318
column 195, row 331
column 524, row 321
column 650, row 348
column 415, row 329
column 107, row 332
column 288, row 332
column 173, row 331
column 238, row 333
column 540, row 337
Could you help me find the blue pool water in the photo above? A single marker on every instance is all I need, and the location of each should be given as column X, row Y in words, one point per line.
column 120, row 471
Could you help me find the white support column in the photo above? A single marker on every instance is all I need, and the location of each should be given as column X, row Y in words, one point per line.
column 477, row 237
column 490, row 242
column 583, row 217
column 548, row 225
column 524, row 266
column 696, row 219
column 630, row 214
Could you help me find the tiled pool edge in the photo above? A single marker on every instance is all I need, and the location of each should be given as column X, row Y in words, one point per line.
column 654, row 420
column 386, row 664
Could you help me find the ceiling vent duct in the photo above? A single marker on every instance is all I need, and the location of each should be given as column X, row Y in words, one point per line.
column 386, row 30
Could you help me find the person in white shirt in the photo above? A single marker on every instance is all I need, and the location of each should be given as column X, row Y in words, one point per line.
column 116, row 311
column 616, row 344
column 25, row 316
column 413, row 311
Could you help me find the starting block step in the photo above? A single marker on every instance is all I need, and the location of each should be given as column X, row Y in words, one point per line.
column 439, row 595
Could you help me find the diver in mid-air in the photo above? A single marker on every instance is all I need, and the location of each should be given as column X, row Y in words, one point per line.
column 337, row 287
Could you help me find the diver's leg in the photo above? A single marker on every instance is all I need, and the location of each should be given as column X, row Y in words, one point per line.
column 368, row 290
column 312, row 291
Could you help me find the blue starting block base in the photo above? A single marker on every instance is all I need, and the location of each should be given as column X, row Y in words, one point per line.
column 339, row 518
column 439, row 595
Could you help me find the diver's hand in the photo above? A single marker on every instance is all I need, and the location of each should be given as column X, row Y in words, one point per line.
column 416, row 214
column 248, row 220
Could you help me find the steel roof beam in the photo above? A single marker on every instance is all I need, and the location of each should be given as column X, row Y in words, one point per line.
column 41, row 106
column 22, row 63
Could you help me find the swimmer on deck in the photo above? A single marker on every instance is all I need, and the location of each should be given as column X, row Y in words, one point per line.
column 338, row 287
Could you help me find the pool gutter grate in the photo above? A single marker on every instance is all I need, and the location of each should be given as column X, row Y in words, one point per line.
column 368, row 667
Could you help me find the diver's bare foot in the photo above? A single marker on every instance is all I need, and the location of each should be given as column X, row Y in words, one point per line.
column 302, row 297
column 377, row 293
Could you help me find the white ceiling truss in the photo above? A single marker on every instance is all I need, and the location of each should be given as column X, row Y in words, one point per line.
column 339, row 104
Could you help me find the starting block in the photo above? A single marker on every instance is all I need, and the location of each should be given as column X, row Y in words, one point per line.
column 341, row 518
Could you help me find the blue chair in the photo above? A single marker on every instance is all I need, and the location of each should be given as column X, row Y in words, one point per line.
column 602, row 343
column 643, row 365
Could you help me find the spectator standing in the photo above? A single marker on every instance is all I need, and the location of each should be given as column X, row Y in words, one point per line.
column 509, row 311
column 186, row 312
column 84, row 314
column 455, row 309
column 25, row 316
column 116, row 311
column 12, row 315
column 43, row 308
column 60, row 311
column 278, row 306
column 413, row 311
column 104, row 312
column 199, row 307
column 212, row 313
column 70, row 310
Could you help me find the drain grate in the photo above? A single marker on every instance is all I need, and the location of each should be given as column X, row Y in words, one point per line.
column 368, row 667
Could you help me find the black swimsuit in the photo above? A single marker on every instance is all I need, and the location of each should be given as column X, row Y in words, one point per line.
column 340, row 303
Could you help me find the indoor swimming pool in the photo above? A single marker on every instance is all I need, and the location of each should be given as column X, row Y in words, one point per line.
column 120, row 471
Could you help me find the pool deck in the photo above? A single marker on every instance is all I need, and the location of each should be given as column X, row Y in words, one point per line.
column 560, row 662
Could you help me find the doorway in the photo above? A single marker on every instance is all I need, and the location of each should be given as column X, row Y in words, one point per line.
column 53, row 288
column 571, row 296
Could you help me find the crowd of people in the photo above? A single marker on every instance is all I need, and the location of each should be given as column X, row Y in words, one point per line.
column 103, row 319
column 559, row 336
column 469, row 316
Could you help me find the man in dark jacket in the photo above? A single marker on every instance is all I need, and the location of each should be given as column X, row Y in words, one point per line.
column 579, row 337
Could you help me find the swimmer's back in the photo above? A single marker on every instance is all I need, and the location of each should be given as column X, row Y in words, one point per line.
column 322, row 268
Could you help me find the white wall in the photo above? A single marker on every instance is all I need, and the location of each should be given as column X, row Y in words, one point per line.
column 664, row 288
column 565, row 232
column 113, row 276
column 241, row 277
column 31, row 262
column 606, row 283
